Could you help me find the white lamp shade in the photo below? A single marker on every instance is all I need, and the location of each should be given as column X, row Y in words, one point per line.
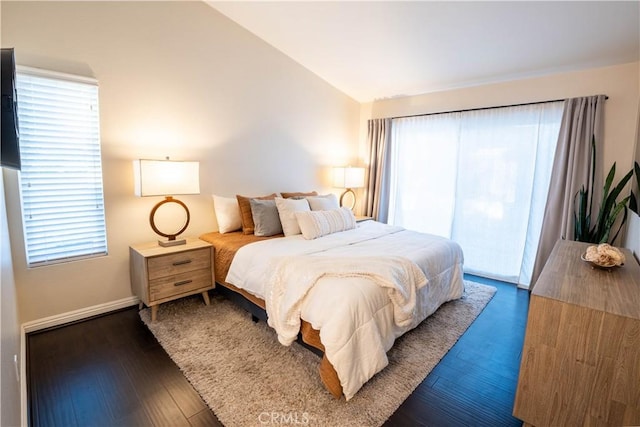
column 166, row 177
column 348, row 177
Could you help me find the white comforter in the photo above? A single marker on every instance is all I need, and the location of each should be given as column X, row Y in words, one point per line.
column 357, row 314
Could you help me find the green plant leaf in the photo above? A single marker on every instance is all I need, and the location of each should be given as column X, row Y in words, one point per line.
column 604, row 210
column 624, row 218
column 635, row 199
column 609, row 202
column 593, row 170
column 581, row 220
column 609, row 209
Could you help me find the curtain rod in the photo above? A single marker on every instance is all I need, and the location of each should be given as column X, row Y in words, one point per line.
column 483, row 108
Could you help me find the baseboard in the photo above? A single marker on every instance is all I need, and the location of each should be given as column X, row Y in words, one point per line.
column 83, row 313
column 57, row 320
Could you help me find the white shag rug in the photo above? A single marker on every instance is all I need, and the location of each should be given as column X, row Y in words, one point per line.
column 249, row 379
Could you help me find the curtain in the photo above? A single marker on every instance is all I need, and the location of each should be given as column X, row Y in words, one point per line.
column 582, row 119
column 423, row 170
column 377, row 190
column 479, row 178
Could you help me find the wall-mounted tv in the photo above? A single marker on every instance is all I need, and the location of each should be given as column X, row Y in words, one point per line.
column 10, row 143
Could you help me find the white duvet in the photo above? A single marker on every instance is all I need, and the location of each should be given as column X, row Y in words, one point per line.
column 345, row 286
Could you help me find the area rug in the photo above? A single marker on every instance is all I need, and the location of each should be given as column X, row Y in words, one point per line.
column 248, row 379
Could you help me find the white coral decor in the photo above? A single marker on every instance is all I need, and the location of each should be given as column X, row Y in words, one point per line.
column 604, row 255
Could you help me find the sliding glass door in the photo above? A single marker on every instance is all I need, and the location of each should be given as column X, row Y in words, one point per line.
column 480, row 178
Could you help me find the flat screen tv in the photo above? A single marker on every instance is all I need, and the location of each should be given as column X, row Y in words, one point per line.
column 10, row 144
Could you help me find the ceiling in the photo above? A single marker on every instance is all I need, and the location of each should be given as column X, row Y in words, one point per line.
column 383, row 49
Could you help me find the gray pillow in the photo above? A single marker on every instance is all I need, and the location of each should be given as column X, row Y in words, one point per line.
column 265, row 217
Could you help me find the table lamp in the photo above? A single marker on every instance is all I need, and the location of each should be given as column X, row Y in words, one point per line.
column 348, row 178
column 166, row 178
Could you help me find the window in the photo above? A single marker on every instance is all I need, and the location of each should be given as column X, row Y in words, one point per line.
column 61, row 176
column 480, row 178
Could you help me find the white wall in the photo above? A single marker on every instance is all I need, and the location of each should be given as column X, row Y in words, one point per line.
column 621, row 83
column 179, row 79
column 632, row 239
column 10, row 411
column 176, row 79
column 9, row 326
column 633, row 235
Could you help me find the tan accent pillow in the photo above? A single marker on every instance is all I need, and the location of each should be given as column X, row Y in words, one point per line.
column 245, row 211
column 290, row 195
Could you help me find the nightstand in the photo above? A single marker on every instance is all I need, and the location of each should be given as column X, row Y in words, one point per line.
column 160, row 274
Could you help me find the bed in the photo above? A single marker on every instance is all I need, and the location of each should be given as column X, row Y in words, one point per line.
column 336, row 292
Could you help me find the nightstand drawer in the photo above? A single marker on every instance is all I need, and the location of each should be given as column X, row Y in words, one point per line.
column 177, row 263
column 177, row 284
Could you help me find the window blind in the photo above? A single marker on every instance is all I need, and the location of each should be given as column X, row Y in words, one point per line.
column 61, row 176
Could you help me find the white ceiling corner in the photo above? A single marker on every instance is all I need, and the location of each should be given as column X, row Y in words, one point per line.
column 381, row 49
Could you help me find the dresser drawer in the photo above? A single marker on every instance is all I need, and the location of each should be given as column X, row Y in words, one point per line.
column 181, row 262
column 170, row 286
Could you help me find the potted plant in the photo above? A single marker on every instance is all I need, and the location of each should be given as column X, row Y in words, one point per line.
column 610, row 207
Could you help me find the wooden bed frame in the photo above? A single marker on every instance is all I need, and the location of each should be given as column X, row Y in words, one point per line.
column 225, row 247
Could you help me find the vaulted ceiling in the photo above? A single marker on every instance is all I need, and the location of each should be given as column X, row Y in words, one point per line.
column 382, row 49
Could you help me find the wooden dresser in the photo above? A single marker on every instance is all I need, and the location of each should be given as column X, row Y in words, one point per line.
column 581, row 356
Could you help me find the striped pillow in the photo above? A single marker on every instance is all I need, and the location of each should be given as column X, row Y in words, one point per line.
column 314, row 224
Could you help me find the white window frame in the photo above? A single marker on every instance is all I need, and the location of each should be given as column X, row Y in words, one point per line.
column 64, row 219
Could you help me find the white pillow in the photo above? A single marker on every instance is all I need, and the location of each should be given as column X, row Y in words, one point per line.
column 314, row 224
column 286, row 210
column 323, row 203
column 227, row 213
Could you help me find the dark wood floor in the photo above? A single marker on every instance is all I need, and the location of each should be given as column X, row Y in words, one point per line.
column 475, row 383
column 110, row 371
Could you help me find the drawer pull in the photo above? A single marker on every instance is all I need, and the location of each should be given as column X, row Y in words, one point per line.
column 186, row 261
column 183, row 282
